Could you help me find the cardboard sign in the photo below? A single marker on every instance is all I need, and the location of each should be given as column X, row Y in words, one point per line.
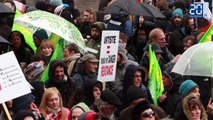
column 108, row 56
column 12, row 80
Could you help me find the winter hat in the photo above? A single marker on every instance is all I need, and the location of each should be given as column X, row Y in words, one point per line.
column 21, row 103
column 110, row 97
column 88, row 57
column 134, row 93
column 177, row 12
column 56, row 2
column 22, row 114
column 41, row 34
column 186, row 87
column 100, row 25
column 81, row 105
column 87, row 116
column 139, row 108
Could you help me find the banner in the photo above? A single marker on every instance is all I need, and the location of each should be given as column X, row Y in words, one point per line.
column 155, row 83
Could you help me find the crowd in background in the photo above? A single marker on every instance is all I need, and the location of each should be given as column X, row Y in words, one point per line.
column 72, row 91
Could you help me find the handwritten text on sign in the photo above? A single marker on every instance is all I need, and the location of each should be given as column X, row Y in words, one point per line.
column 12, row 81
column 108, row 56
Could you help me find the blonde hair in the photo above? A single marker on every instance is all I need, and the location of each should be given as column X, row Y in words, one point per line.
column 46, row 96
column 45, row 44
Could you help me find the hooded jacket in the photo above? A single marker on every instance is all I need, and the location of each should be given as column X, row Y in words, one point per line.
column 66, row 87
column 88, row 91
column 116, row 86
column 128, row 80
column 187, row 110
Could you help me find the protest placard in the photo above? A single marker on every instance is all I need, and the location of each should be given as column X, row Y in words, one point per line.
column 108, row 56
column 12, row 80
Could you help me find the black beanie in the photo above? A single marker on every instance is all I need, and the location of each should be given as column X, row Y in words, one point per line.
column 139, row 108
column 22, row 114
column 110, row 97
column 21, row 103
column 41, row 34
column 134, row 93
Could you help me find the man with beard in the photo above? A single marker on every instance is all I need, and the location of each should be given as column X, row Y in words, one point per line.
column 176, row 38
column 59, row 78
column 177, row 17
column 95, row 41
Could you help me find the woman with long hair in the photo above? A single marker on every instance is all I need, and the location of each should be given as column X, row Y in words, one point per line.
column 52, row 105
column 22, row 51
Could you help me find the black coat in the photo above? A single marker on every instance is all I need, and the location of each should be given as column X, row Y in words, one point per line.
column 176, row 42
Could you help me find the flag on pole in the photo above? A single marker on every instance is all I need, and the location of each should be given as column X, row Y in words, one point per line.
column 155, row 83
column 208, row 36
column 58, row 54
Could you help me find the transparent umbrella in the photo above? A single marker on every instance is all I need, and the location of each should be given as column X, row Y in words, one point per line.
column 197, row 60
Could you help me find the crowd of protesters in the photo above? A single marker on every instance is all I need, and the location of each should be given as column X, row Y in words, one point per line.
column 72, row 91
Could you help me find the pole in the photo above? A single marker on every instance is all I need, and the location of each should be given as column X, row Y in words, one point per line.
column 6, row 111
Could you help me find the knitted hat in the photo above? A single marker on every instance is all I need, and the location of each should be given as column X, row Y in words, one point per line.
column 21, row 103
column 139, row 108
column 23, row 114
column 41, row 34
column 134, row 93
column 81, row 105
column 110, row 97
column 186, row 87
column 177, row 12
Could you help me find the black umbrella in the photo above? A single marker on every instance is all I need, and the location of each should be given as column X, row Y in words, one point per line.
column 3, row 40
column 153, row 11
column 4, row 10
column 4, row 45
column 129, row 7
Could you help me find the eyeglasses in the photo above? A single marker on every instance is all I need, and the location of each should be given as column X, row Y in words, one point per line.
column 148, row 114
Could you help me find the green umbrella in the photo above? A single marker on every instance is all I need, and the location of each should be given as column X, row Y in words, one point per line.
column 52, row 23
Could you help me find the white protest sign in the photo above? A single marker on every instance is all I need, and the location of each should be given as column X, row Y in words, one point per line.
column 12, row 80
column 108, row 56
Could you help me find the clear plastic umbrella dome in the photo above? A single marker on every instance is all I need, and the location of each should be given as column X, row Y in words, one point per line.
column 196, row 61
